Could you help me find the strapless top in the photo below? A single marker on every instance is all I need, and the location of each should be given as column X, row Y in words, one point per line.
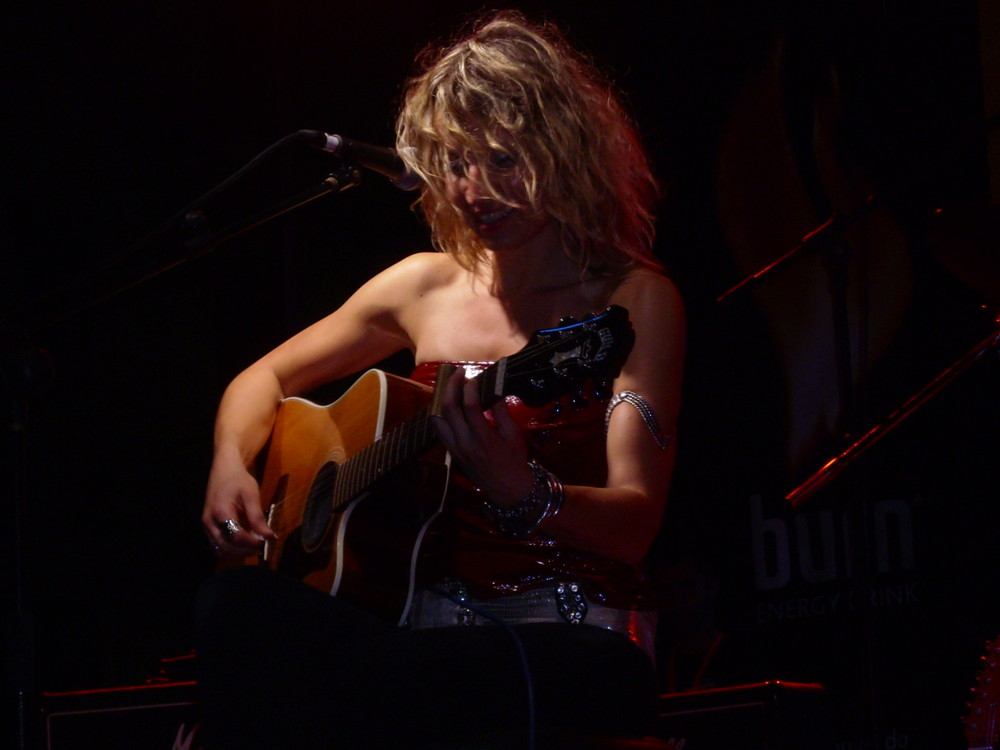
column 567, row 438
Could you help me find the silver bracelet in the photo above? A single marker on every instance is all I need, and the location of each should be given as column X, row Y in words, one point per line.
column 543, row 501
column 642, row 406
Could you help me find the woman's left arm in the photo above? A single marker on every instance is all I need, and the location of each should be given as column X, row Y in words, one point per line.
column 620, row 519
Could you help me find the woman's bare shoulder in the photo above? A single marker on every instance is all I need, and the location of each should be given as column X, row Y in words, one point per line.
column 425, row 268
column 411, row 278
column 647, row 292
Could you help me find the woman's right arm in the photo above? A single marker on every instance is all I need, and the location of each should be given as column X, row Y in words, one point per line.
column 363, row 331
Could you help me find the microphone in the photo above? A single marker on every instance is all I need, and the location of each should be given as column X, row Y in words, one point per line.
column 385, row 161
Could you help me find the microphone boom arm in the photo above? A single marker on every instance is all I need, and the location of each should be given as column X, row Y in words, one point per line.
column 835, row 466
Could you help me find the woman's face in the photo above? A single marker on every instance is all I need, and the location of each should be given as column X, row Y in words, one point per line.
column 498, row 224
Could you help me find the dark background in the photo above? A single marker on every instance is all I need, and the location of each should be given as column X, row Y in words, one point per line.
column 119, row 114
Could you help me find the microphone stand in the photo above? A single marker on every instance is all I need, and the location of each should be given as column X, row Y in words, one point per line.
column 837, row 223
column 835, row 466
column 829, row 231
column 26, row 369
column 828, row 236
column 192, row 240
column 828, row 240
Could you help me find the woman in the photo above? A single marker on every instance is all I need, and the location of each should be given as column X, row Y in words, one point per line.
column 538, row 195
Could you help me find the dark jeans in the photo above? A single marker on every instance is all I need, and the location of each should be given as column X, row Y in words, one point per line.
column 282, row 665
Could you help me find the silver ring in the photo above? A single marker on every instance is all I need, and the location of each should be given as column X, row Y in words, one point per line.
column 229, row 527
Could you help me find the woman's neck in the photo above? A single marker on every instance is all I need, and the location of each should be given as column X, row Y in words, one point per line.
column 537, row 267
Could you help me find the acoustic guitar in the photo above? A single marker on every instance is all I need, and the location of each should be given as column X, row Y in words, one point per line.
column 350, row 488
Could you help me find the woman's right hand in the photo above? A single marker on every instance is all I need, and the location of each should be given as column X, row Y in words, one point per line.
column 363, row 331
column 232, row 517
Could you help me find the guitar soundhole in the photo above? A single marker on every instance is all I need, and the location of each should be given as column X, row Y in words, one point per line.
column 319, row 507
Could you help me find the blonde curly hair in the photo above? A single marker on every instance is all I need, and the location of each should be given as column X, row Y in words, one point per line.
column 519, row 89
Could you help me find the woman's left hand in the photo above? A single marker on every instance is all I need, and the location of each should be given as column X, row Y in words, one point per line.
column 491, row 452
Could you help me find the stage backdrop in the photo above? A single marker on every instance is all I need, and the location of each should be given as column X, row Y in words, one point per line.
column 764, row 120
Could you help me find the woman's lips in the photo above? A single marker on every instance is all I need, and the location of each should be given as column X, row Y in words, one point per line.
column 493, row 216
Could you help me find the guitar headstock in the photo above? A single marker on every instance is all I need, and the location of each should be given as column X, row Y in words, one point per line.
column 557, row 360
column 982, row 723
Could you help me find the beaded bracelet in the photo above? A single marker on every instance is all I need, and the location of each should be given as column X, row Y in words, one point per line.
column 543, row 501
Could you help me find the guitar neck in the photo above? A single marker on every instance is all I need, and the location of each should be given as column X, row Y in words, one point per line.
column 398, row 445
column 405, row 442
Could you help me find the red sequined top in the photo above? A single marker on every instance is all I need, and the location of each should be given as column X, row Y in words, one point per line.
column 568, row 440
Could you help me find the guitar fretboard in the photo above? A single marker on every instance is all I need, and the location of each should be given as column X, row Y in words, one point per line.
column 402, row 443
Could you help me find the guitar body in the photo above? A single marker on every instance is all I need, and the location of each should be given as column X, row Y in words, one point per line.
column 364, row 551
